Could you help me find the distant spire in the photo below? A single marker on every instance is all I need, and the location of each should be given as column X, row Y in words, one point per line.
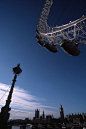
column 60, row 105
column 61, row 113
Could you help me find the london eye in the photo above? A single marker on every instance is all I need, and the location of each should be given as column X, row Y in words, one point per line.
column 69, row 33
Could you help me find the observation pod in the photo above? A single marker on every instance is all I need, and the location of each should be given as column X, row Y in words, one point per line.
column 51, row 47
column 38, row 37
column 70, row 47
column 41, row 43
column 37, row 31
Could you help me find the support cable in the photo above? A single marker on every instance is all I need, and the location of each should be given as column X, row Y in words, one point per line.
column 62, row 12
column 69, row 15
column 75, row 9
column 57, row 11
column 4, row 93
column 54, row 9
column 84, row 6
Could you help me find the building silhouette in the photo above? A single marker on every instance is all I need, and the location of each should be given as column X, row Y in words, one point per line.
column 36, row 114
column 61, row 113
column 43, row 115
column 75, row 118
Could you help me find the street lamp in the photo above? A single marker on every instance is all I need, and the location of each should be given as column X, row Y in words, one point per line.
column 4, row 115
column 17, row 70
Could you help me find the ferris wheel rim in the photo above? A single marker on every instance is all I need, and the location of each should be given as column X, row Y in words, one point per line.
column 48, row 33
column 65, row 26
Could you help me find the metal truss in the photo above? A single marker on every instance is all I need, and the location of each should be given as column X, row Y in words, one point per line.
column 72, row 30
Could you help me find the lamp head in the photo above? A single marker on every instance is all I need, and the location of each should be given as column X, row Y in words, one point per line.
column 17, row 70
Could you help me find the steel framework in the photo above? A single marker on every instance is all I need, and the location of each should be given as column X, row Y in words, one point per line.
column 72, row 30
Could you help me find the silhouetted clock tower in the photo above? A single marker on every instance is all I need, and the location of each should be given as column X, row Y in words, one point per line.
column 61, row 113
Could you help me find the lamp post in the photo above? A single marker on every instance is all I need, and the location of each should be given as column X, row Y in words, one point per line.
column 4, row 115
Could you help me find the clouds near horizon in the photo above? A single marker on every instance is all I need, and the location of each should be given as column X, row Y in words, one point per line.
column 23, row 103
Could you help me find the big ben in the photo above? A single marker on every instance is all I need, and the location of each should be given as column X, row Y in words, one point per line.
column 61, row 113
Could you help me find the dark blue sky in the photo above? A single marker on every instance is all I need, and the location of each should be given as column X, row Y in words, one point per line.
column 55, row 78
